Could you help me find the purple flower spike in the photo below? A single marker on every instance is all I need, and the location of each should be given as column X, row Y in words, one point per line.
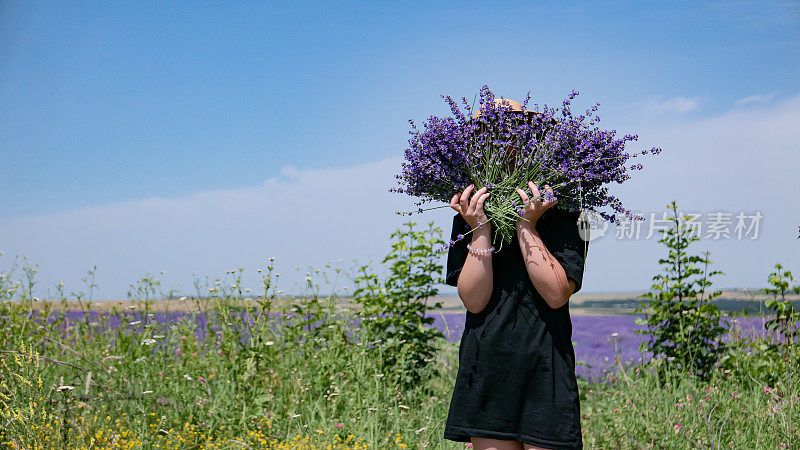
column 502, row 148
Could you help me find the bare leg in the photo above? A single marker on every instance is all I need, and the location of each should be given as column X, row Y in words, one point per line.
column 533, row 447
column 494, row 444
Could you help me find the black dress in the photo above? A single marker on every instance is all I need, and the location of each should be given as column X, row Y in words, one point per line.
column 516, row 374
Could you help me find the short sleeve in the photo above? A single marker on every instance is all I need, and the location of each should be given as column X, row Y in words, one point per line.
column 457, row 253
column 561, row 234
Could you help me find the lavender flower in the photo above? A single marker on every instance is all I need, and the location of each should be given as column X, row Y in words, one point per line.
column 503, row 149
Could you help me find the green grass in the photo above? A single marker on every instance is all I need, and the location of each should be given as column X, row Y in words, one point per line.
column 79, row 384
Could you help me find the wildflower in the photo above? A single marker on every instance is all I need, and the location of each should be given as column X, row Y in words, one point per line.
column 64, row 388
column 135, row 322
column 269, row 343
column 187, row 377
column 614, row 334
column 616, row 409
column 339, row 425
column 677, row 428
column 138, row 360
column 201, row 379
column 148, row 341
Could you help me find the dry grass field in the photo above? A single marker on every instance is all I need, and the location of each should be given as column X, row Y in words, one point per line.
column 580, row 304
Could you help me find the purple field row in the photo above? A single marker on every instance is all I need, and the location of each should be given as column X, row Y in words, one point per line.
column 597, row 339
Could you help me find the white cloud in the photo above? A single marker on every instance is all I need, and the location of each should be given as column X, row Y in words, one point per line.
column 675, row 105
column 758, row 98
column 741, row 160
column 313, row 216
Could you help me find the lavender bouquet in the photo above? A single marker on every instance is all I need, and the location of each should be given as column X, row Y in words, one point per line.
column 504, row 148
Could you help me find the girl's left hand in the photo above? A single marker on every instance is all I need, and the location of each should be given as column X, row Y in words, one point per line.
column 533, row 210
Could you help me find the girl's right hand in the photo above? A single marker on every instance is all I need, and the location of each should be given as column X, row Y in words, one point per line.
column 471, row 209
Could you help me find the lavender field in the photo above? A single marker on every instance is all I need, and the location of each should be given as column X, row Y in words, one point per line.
column 597, row 339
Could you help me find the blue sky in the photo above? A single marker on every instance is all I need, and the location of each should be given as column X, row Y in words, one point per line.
column 118, row 103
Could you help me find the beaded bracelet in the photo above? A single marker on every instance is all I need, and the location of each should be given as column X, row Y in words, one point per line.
column 480, row 252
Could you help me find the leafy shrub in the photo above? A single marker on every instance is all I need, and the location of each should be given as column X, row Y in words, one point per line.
column 683, row 325
column 772, row 358
column 394, row 310
column 785, row 320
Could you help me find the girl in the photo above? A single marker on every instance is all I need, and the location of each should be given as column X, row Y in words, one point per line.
column 515, row 387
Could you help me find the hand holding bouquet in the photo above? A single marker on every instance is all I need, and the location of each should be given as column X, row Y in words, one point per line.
column 532, row 210
column 471, row 208
column 505, row 149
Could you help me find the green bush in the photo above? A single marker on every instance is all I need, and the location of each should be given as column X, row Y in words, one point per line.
column 394, row 311
column 683, row 324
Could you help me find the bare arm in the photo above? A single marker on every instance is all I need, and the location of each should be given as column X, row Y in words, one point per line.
column 545, row 272
column 475, row 280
